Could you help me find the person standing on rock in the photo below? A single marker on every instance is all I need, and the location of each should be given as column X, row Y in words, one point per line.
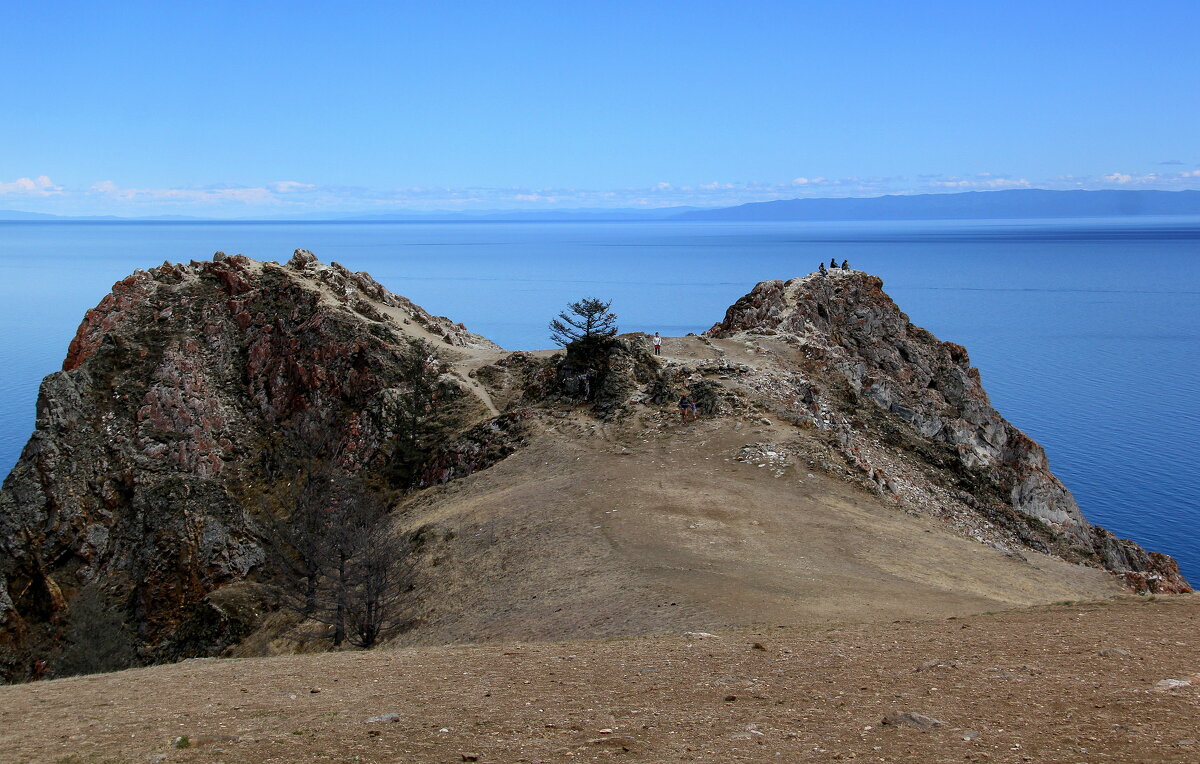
column 657, row 344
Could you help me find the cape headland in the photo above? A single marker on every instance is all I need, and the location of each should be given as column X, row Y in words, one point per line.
column 847, row 467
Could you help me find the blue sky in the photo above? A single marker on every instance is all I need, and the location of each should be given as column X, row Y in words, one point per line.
column 238, row 109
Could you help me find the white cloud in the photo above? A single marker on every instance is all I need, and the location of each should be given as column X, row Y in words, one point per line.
column 536, row 197
column 1118, row 177
column 185, row 195
column 991, row 182
column 39, row 186
column 290, row 186
column 1152, row 178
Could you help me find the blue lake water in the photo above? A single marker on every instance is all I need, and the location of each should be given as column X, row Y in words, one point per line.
column 1085, row 331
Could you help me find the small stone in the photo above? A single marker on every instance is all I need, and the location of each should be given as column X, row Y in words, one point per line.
column 699, row 634
column 970, row 735
column 929, row 665
column 911, row 719
column 730, row 698
column 384, row 718
column 758, row 646
column 1166, row 685
column 470, row 757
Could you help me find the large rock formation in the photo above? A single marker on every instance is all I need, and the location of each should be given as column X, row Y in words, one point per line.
column 871, row 360
column 194, row 396
column 189, row 397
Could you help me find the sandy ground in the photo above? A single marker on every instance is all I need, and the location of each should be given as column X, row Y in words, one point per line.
column 1060, row 683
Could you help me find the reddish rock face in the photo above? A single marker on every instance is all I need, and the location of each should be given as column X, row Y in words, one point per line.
column 126, row 296
column 187, row 396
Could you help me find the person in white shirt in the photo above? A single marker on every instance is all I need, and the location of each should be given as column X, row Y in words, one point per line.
column 657, row 344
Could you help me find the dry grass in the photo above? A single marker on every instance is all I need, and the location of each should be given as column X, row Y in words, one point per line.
column 1023, row 685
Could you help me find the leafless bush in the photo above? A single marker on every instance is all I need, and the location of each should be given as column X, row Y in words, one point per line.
column 339, row 562
column 97, row 639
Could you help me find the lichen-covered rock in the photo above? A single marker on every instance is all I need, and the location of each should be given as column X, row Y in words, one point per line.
column 188, row 396
column 934, row 404
column 359, row 291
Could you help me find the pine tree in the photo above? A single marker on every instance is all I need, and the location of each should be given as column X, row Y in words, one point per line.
column 587, row 320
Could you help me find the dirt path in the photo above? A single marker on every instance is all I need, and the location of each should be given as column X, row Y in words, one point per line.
column 464, row 371
column 1079, row 683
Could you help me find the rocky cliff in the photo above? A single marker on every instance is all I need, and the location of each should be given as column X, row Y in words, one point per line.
column 190, row 396
column 882, row 385
column 194, row 399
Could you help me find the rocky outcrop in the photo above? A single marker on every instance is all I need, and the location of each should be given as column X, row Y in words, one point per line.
column 188, row 397
column 196, row 400
column 909, row 391
column 476, row 449
column 365, row 296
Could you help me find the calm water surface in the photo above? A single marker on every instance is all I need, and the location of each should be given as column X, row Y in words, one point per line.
column 1085, row 331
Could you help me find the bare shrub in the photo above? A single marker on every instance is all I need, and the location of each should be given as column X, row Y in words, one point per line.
column 96, row 637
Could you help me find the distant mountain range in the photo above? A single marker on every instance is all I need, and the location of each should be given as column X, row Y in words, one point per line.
column 11, row 215
column 1015, row 203
column 580, row 215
